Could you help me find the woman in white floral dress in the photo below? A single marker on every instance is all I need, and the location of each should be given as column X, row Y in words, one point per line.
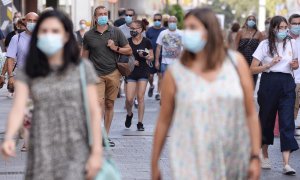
column 208, row 98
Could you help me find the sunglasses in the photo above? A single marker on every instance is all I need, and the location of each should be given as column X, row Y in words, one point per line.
column 129, row 15
column 157, row 19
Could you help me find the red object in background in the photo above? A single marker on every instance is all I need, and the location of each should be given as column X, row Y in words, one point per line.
column 276, row 128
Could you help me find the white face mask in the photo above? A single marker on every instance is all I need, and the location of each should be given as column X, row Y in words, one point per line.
column 50, row 43
column 82, row 26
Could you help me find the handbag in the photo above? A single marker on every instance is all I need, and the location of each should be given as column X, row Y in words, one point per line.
column 108, row 171
column 124, row 63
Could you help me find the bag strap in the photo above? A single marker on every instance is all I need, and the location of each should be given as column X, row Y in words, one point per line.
column 292, row 58
column 86, row 109
column 250, row 40
column 111, row 35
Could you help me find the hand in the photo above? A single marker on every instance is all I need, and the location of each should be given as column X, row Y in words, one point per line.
column 294, row 64
column 157, row 65
column 136, row 63
column 254, row 170
column 93, row 166
column 156, row 173
column 8, row 148
column 141, row 54
column 111, row 45
column 275, row 60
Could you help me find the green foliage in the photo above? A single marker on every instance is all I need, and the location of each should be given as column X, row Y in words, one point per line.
column 217, row 8
column 176, row 10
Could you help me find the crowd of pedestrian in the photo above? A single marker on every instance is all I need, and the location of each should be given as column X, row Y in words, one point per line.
column 205, row 88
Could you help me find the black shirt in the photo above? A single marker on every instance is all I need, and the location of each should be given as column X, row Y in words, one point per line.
column 144, row 46
column 119, row 22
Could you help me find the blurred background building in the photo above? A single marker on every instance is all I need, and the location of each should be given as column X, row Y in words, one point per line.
column 228, row 10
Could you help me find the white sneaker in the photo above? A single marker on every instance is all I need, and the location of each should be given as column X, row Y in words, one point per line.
column 288, row 170
column 265, row 163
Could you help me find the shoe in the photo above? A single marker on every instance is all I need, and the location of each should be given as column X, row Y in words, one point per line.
column 265, row 163
column 288, row 170
column 157, row 97
column 150, row 92
column 128, row 121
column 111, row 143
column 136, row 104
column 297, row 131
column 140, row 127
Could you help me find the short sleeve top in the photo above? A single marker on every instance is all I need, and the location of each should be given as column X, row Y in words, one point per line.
column 288, row 54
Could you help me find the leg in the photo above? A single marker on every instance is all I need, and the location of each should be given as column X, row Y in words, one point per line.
column 296, row 109
column 130, row 95
column 268, row 102
column 112, row 85
column 159, row 82
column 101, row 93
column 286, row 116
column 4, row 70
column 109, row 113
column 151, row 88
column 142, row 85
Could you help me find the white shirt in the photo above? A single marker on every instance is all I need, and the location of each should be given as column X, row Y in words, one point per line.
column 171, row 42
column 288, row 54
column 297, row 72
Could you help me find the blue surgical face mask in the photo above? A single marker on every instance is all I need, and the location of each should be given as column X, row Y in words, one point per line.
column 193, row 41
column 251, row 23
column 172, row 26
column 128, row 19
column 157, row 23
column 49, row 43
column 295, row 29
column 281, row 35
column 102, row 20
column 30, row 26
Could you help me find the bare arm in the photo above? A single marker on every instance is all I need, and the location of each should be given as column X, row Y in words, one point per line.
column 10, row 66
column 256, row 68
column 165, row 117
column 85, row 53
column 125, row 50
column 237, row 39
column 157, row 53
column 252, row 118
column 16, row 114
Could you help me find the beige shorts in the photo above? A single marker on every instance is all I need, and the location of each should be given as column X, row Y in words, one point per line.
column 108, row 86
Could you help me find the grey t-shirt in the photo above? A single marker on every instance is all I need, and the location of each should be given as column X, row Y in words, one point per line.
column 103, row 58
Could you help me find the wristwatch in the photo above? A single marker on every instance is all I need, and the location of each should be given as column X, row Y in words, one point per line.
column 118, row 49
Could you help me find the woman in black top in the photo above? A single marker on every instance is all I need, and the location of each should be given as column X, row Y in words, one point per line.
column 248, row 39
column 137, row 81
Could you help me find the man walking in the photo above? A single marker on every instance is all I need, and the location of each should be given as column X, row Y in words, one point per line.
column 101, row 45
column 170, row 41
column 152, row 34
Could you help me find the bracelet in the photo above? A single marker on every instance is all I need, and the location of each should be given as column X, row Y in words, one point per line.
column 254, row 157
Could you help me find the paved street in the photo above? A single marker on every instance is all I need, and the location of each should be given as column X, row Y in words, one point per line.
column 133, row 149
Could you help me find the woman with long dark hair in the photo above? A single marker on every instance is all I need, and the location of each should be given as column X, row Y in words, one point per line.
column 209, row 100
column 278, row 58
column 248, row 39
column 138, row 79
column 58, row 147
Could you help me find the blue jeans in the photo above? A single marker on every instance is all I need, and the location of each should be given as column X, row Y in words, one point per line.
column 163, row 68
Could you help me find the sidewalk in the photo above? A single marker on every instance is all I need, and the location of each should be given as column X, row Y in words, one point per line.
column 133, row 149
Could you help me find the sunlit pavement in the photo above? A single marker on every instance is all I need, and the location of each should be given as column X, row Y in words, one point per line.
column 133, row 149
